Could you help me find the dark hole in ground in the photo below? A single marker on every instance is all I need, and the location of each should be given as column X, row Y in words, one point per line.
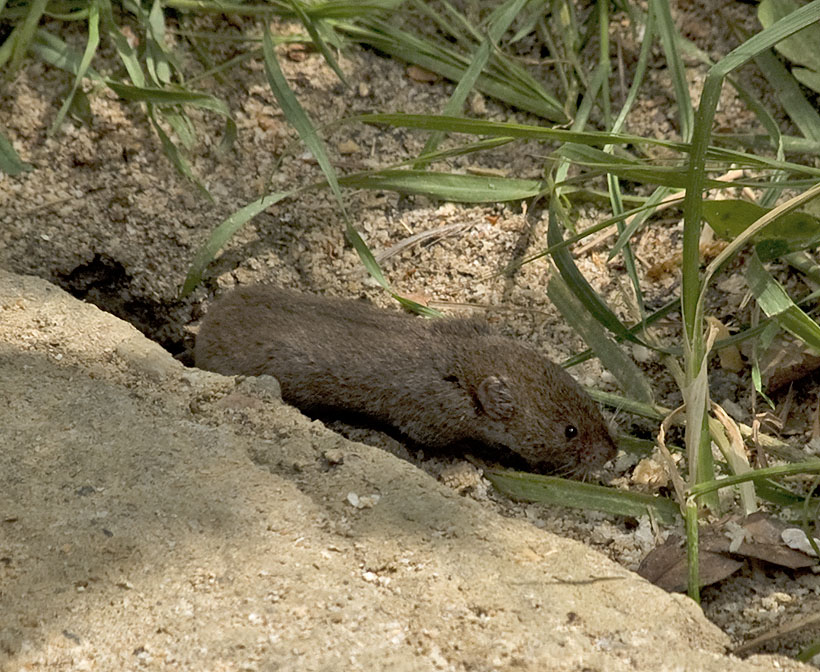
column 104, row 282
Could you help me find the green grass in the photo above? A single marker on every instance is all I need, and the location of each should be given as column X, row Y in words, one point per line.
column 478, row 52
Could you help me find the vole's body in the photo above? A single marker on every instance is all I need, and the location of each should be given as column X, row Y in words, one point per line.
column 442, row 383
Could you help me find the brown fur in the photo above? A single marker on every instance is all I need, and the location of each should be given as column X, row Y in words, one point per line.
column 442, row 383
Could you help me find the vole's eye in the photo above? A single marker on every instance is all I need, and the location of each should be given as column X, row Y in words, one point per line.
column 570, row 431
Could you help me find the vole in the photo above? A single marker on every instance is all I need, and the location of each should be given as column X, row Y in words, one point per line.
column 443, row 383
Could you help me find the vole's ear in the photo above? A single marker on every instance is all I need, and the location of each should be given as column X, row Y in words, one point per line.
column 495, row 398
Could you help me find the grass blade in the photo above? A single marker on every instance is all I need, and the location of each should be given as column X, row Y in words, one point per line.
column 795, row 231
column 693, row 286
column 223, row 233
column 23, row 34
column 669, row 40
column 749, row 233
column 10, row 162
column 298, row 118
column 789, row 94
column 794, row 469
column 127, row 54
column 82, row 67
column 176, row 157
column 54, row 51
column 692, row 560
column 776, row 303
column 552, row 490
column 462, row 90
column 512, row 84
column 501, row 20
column 592, row 138
column 296, row 115
column 577, row 283
column 611, row 356
column 309, row 23
column 449, row 186
column 801, row 49
column 158, row 59
column 180, row 124
column 156, row 96
column 167, row 97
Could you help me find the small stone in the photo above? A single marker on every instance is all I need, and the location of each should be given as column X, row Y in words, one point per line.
column 263, row 387
column 296, row 52
column 478, row 104
column 460, row 476
column 348, row 147
column 239, row 401
column 419, row 74
column 368, row 501
column 363, row 501
column 642, row 354
column 796, row 538
column 147, row 358
column 334, row 456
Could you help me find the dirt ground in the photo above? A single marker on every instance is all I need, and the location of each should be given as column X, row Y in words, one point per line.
column 166, row 519
column 157, row 517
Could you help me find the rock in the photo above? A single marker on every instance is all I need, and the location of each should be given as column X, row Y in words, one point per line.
column 185, row 551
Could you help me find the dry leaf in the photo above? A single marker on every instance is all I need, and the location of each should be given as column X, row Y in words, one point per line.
column 667, row 568
column 130, row 37
column 760, row 536
column 650, row 473
column 785, row 362
column 419, row 74
column 730, row 359
column 661, row 269
column 418, row 297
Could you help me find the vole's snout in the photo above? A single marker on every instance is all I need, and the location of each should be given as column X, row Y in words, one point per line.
column 596, row 456
column 609, row 450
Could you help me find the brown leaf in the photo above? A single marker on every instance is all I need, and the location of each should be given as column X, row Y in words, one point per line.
column 785, row 362
column 418, row 297
column 730, row 359
column 666, row 566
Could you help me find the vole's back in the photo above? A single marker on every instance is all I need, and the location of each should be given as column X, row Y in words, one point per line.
column 324, row 351
column 439, row 382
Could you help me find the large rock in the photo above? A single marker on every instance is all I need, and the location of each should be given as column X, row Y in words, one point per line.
column 162, row 518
